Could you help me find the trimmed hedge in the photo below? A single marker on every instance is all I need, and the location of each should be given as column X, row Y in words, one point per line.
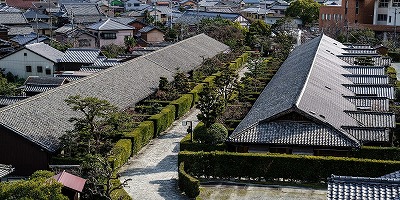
column 187, row 145
column 287, row 166
column 122, row 150
column 182, row 105
column 141, row 135
column 209, row 80
column 187, row 183
column 164, row 119
column 381, row 153
column 195, row 92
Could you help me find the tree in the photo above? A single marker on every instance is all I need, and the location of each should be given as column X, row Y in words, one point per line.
column 6, row 88
column 364, row 61
column 226, row 84
column 112, row 50
column 129, row 42
column 258, row 35
column 211, row 105
column 283, row 46
column 98, row 121
column 224, row 31
column 102, row 180
column 38, row 187
column 181, row 83
column 306, row 10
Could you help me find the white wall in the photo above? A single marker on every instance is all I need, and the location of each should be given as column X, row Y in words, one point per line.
column 16, row 64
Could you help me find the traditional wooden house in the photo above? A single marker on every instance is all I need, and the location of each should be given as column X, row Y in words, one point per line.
column 30, row 129
column 316, row 104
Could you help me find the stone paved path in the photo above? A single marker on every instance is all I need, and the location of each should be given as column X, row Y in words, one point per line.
column 154, row 171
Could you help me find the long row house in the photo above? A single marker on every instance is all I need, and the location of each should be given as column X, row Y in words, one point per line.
column 320, row 103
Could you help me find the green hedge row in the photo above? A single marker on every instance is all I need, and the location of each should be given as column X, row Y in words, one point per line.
column 141, row 135
column 182, row 105
column 209, row 80
column 187, row 145
column 187, row 183
column 163, row 120
column 270, row 166
column 122, row 150
column 379, row 153
column 195, row 92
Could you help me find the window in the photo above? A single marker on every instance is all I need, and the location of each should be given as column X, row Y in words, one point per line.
column 323, row 16
column 108, row 35
column 25, row 54
column 347, row 6
column 382, row 17
column 39, row 69
column 396, row 3
column 328, row 17
column 383, row 3
column 28, row 68
column 48, row 71
column 390, row 19
column 357, row 6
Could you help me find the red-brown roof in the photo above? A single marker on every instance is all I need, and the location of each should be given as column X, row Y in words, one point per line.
column 70, row 181
column 23, row 4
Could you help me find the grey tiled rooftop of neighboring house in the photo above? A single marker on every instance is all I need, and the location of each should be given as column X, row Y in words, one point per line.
column 316, row 84
column 12, row 18
column 109, row 25
column 347, row 187
column 46, row 51
column 80, row 55
column 5, row 170
column 123, row 85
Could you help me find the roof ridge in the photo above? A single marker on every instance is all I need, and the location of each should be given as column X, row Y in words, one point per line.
column 300, row 95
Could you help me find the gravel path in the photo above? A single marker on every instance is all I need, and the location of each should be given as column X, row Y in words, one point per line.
column 154, row 171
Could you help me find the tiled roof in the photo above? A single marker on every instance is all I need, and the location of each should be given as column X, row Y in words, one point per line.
column 315, row 81
column 64, row 29
column 36, row 80
column 394, row 175
column 347, row 187
column 12, row 18
column 23, row 4
column 80, row 55
column 46, row 115
column 6, row 8
column 38, row 88
column 147, row 29
column 81, row 9
column 31, row 14
column 124, row 20
column 28, row 39
column 369, row 134
column 88, row 19
column 105, row 62
column 365, row 70
column 370, row 103
column 92, row 69
column 8, row 100
column 368, row 79
column 46, row 51
column 374, row 119
column 20, row 30
column 109, row 25
column 292, row 133
column 310, row 79
column 5, row 170
column 42, row 25
column 193, row 17
column 372, row 90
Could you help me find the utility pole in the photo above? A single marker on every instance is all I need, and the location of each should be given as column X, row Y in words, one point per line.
column 37, row 29
column 395, row 27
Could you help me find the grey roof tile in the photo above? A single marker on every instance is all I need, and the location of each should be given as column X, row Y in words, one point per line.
column 45, row 51
column 124, row 20
column 302, row 85
column 393, row 175
column 365, row 70
column 292, row 133
column 372, row 90
column 370, row 103
column 36, row 80
column 20, row 30
column 369, row 134
column 122, row 85
column 80, row 55
column 81, row 9
column 368, row 79
column 374, row 119
column 31, row 14
column 5, row 170
column 109, row 25
column 12, row 18
column 8, row 100
column 347, row 187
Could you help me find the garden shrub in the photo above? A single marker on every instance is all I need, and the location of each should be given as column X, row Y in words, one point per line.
column 379, row 153
column 163, row 120
column 56, row 160
column 195, row 91
column 122, row 150
column 215, row 134
column 270, row 166
column 187, row 145
column 141, row 135
column 188, row 184
column 209, row 80
column 182, row 105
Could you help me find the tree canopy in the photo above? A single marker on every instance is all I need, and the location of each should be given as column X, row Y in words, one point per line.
column 306, row 10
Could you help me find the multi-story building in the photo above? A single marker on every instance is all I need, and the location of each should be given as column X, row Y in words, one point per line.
column 377, row 15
